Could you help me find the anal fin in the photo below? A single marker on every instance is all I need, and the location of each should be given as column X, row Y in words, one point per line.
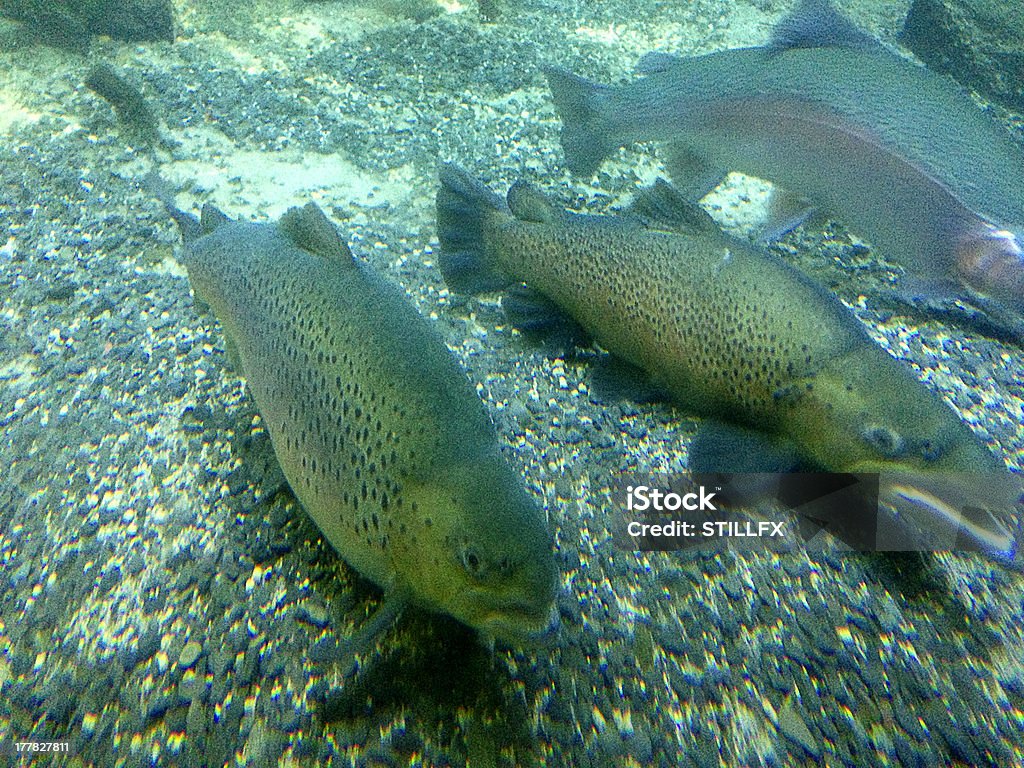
column 786, row 211
column 661, row 207
column 948, row 301
column 693, row 175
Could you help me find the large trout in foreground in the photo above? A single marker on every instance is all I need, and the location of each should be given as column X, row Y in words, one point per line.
column 375, row 426
column 894, row 151
column 730, row 332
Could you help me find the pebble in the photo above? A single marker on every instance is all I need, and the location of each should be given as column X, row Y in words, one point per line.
column 189, row 654
column 706, row 753
column 313, row 613
column 176, row 719
column 793, row 726
column 192, row 688
column 908, row 754
column 221, row 661
column 328, row 650
column 158, row 706
column 142, row 364
column 149, row 644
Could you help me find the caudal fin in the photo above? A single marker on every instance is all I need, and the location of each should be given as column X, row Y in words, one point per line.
column 586, row 138
column 463, row 207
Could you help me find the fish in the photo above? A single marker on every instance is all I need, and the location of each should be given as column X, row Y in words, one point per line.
column 899, row 154
column 133, row 113
column 784, row 374
column 70, row 25
column 377, row 429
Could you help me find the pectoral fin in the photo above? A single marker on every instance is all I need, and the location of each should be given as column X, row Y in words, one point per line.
column 231, row 352
column 721, row 447
column 613, row 379
column 364, row 641
column 541, row 320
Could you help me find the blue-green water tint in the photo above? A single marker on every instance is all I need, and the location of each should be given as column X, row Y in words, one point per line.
column 165, row 600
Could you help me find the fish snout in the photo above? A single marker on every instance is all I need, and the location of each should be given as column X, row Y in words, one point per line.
column 525, row 623
column 957, row 511
column 991, row 260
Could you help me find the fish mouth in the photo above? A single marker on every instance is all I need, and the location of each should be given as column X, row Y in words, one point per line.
column 512, row 620
column 955, row 511
column 991, row 260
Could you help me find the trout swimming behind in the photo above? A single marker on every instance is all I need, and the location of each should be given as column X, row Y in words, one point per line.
column 727, row 331
column 898, row 153
column 376, row 428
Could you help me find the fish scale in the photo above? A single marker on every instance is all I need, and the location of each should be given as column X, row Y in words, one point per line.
column 710, row 313
column 376, row 428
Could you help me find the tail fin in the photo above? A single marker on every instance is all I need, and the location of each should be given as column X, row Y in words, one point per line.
column 463, row 205
column 586, row 138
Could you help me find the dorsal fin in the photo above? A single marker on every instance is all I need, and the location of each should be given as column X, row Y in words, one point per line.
column 529, row 204
column 212, row 217
column 817, row 24
column 660, row 206
column 312, row 231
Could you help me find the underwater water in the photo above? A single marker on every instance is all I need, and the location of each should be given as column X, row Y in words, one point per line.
column 164, row 598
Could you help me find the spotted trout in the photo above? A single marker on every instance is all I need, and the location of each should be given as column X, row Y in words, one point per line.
column 727, row 331
column 376, row 427
column 898, row 153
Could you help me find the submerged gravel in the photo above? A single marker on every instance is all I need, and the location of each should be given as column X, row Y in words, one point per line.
column 164, row 599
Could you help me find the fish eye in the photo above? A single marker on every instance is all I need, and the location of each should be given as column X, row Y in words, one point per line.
column 472, row 562
column 883, row 439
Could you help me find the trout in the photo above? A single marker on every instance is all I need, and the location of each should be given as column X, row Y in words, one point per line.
column 896, row 152
column 376, row 428
column 727, row 331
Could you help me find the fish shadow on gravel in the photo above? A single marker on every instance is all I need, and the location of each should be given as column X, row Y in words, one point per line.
column 436, row 674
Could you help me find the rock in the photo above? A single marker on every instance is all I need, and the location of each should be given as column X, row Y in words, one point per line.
column 314, row 614
column 190, row 654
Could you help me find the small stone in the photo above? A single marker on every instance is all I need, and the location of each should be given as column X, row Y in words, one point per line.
column 793, row 727
column 190, row 654
column 313, row 613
